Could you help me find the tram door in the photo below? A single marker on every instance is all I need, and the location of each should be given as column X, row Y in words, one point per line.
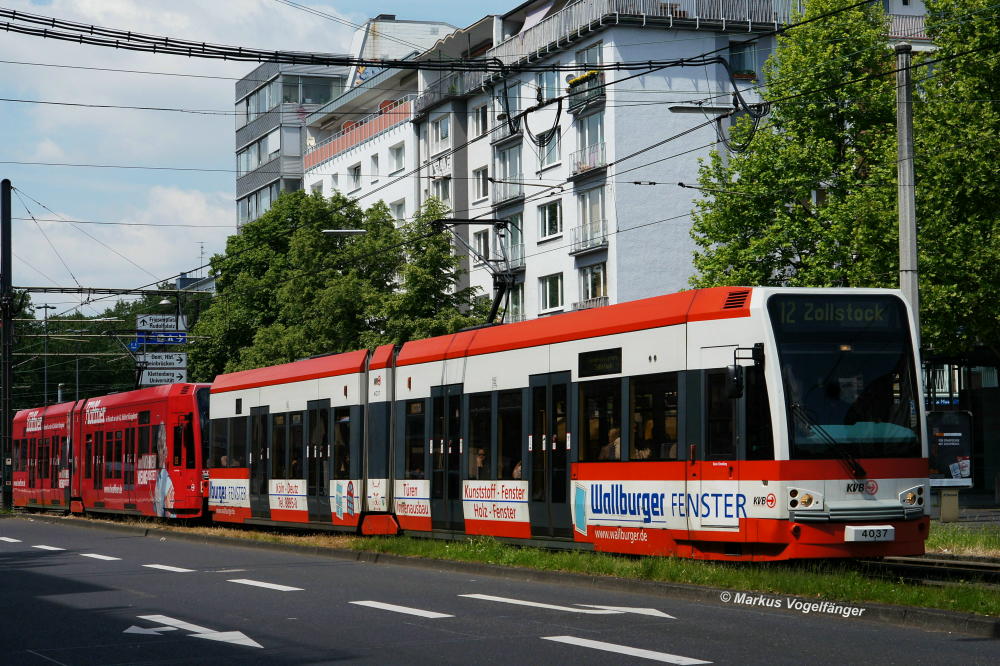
column 714, row 472
column 318, row 460
column 446, row 457
column 260, row 506
column 549, row 445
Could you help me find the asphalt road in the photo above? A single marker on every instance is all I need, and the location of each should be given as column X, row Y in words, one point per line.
column 91, row 596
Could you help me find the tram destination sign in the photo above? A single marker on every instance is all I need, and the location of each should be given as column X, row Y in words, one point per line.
column 155, row 322
column 162, row 360
column 160, row 377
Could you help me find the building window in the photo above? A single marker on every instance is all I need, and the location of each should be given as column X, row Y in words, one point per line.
column 591, row 205
column 592, row 130
column 481, row 184
column 508, row 174
column 742, row 58
column 550, row 292
column 481, row 245
column 398, row 210
column 513, row 240
column 550, row 220
column 397, row 155
column 440, row 134
column 589, row 56
column 515, row 311
column 354, row 177
column 548, row 84
column 480, row 120
column 441, row 188
column 550, row 152
column 509, row 100
column 308, row 89
column 593, row 282
column 374, row 174
column 272, row 145
column 317, row 188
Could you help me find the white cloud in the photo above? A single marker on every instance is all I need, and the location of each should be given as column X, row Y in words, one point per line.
column 48, row 150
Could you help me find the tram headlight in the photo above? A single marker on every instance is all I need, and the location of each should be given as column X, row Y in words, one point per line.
column 910, row 498
column 805, row 498
column 806, row 501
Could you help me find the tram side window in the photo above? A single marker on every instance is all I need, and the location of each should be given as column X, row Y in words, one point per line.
column 217, row 454
column 653, row 405
column 601, row 419
column 32, row 465
column 130, row 458
column 109, row 455
column 98, row 459
column 238, row 441
column 720, row 440
column 189, row 453
column 278, row 448
column 144, row 449
column 43, row 458
column 480, row 419
column 119, row 454
column 295, row 444
column 89, row 459
column 414, row 437
column 510, row 434
column 760, row 439
column 342, row 443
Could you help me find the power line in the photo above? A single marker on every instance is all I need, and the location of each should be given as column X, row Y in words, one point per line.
column 127, row 224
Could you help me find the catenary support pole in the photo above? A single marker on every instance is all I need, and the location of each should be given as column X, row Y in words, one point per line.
column 906, row 195
column 7, row 342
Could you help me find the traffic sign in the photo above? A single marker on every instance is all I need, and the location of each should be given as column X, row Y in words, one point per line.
column 159, row 377
column 151, row 338
column 155, row 322
column 163, row 360
column 134, row 346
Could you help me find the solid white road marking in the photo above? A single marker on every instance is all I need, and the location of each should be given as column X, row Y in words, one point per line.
column 625, row 609
column 624, row 649
column 235, row 637
column 9, row 540
column 400, row 609
column 48, row 548
column 99, row 557
column 270, row 586
column 536, row 604
column 166, row 567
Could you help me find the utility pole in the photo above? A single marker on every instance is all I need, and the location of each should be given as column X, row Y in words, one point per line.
column 905, row 182
column 7, row 343
column 45, row 354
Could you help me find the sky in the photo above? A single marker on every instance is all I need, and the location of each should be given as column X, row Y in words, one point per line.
column 191, row 179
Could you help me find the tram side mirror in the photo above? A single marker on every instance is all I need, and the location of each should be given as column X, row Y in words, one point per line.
column 734, row 381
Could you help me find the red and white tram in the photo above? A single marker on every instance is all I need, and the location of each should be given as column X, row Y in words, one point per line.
column 726, row 423
column 138, row 452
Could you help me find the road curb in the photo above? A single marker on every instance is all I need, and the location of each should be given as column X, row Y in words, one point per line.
column 908, row 616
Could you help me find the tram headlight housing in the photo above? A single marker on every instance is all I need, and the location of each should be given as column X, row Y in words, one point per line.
column 804, row 499
column 912, row 496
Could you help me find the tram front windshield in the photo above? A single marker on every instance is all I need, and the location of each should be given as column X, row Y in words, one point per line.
column 848, row 374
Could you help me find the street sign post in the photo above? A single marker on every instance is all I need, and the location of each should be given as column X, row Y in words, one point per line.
column 151, row 338
column 162, row 360
column 155, row 322
column 160, row 377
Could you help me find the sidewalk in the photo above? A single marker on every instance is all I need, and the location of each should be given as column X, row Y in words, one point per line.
column 973, row 508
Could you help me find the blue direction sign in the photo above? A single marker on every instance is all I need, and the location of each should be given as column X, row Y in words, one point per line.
column 154, row 338
column 134, row 346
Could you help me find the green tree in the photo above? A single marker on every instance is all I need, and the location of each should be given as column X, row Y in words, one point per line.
column 287, row 291
column 957, row 146
column 811, row 203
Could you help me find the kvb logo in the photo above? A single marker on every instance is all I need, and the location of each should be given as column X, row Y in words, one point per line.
column 871, row 486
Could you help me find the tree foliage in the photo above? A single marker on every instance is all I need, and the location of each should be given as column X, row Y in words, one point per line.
column 813, row 202
column 287, row 291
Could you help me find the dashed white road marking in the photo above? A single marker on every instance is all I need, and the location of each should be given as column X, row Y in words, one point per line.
column 99, row 557
column 166, row 567
column 9, row 540
column 663, row 657
column 270, row 586
column 537, row 604
column 48, row 548
column 401, row 609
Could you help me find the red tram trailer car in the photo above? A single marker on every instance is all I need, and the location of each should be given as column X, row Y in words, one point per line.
column 138, row 453
column 725, row 423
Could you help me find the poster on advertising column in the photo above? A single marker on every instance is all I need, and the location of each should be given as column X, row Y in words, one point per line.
column 949, row 438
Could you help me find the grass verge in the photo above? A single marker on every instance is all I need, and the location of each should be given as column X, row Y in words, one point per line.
column 959, row 539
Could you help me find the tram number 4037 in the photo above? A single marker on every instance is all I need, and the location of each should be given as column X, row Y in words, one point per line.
column 869, row 533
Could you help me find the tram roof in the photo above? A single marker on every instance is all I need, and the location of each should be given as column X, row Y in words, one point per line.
column 297, row 371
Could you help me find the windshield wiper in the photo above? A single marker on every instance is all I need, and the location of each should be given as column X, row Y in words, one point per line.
column 852, row 463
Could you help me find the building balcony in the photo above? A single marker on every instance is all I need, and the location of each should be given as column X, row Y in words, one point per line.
column 515, row 256
column 511, row 317
column 590, row 236
column 365, row 129
column 508, row 188
column 591, row 157
column 455, row 84
column 584, row 89
column 588, row 303
column 907, row 27
column 503, row 132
